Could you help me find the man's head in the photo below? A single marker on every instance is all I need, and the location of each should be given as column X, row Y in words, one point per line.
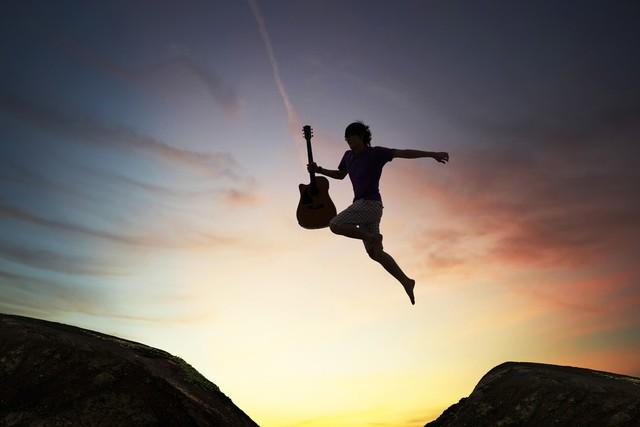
column 358, row 136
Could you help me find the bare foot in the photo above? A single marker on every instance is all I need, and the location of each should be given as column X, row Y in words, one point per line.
column 408, row 287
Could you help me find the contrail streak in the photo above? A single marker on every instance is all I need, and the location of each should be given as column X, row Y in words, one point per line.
column 295, row 124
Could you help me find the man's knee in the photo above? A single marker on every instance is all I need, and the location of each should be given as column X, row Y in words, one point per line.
column 375, row 253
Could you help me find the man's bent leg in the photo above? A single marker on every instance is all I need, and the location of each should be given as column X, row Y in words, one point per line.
column 367, row 213
column 351, row 230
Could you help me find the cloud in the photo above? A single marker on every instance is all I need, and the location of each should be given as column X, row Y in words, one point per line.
column 227, row 194
column 26, row 294
column 18, row 174
column 549, row 212
column 240, row 198
column 31, row 296
column 328, row 71
column 219, row 90
column 186, row 238
column 443, row 249
column 176, row 223
column 167, row 198
column 597, row 303
column 233, row 197
column 57, row 261
column 131, row 230
column 548, row 196
column 88, row 131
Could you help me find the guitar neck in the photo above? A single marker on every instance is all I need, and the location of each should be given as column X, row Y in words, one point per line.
column 312, row 175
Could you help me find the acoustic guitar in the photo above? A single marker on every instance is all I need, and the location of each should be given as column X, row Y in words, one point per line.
column 315, row 208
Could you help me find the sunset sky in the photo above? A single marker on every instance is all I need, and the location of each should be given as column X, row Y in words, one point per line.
column 150, row 156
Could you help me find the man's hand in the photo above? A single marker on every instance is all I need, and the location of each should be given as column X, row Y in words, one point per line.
column 441, row 157
column 335, row 174
column 313, row 167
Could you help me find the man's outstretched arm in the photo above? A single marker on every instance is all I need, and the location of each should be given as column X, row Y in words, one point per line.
column 335, row 174
column 440, row 156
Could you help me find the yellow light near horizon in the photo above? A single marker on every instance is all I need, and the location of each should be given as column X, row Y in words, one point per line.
column 301, row 328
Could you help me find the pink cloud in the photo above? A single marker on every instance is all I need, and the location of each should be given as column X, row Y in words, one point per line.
column 537, row 210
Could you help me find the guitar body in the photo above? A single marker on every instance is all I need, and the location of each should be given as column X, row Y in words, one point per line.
column 315, row 208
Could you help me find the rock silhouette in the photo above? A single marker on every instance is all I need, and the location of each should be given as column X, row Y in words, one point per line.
column 537, row 395
column 53, row 374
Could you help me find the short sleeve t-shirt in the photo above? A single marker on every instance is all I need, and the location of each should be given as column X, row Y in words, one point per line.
column 365, row 169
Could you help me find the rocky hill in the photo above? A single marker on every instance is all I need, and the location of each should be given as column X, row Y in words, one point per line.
column 539, row 395
column 58, row 375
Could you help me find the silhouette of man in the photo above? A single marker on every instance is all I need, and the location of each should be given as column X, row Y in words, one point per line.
column 363, row 163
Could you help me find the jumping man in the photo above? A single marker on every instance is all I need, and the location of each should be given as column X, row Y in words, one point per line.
column 363, row 163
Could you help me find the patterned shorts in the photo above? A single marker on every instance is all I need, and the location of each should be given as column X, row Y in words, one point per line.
column 366, row 214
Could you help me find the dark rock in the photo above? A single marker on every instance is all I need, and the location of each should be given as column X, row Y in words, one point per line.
column 539, row 395
column 53, row 374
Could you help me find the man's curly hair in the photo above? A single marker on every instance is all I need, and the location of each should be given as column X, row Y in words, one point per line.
column 360, row 129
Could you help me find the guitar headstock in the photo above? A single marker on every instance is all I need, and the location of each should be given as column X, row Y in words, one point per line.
column 308, row 132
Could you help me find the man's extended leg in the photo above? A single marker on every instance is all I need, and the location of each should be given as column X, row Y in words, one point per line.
column 368, row 214
column 389, row 264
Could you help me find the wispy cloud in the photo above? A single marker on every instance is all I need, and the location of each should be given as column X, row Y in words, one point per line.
column 32, row 296
column 23, row 293
column 87, row 131
column 549, row 212
column 186, row 239
column 230, row 192
column 598, row 303
column 177, row 220
column 241, row 192
column 178, row 59
column 328, row 71
column 240, row 198
column 59, row 262
column 548, row 197
column 16, row 173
